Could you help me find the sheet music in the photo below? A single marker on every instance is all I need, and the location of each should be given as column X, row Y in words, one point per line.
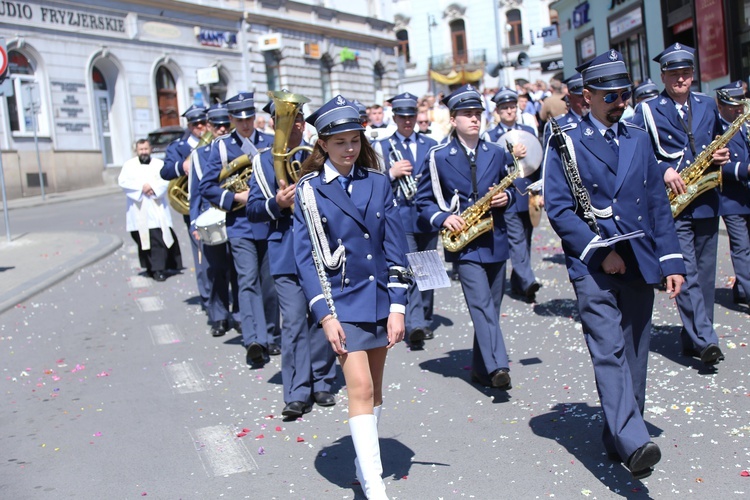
column 614, row 239
column 429, row 270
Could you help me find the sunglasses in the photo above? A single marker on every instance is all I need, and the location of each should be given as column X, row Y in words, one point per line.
column 200, row 122
column 611, row 97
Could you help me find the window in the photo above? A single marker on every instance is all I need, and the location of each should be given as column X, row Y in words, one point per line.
column 326, row 65
column 272, row 57
column 378, row 72
column 514, row 27
column 25, row 106
column 402, row 49
column 458, row 38
column 167, row 96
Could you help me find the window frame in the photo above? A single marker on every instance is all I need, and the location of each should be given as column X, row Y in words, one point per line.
column 20, row 83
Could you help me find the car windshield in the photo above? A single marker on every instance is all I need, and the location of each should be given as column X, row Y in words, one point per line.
column 163, row 138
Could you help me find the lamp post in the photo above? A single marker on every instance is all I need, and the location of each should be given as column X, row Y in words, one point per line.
column 430, row 24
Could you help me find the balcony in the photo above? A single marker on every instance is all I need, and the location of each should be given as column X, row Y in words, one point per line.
column 470, row 60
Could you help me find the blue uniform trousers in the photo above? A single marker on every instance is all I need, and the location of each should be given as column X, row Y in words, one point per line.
column 616, row 320
column 419, row 305
column 218, row 274
column 519, row 241
column 698, row 241
column 483, row 286
column 253, row 279
column 296, row 371
column 738, row 229
column 201, row 267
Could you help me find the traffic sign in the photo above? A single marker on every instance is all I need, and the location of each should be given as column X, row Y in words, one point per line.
column 3, row 60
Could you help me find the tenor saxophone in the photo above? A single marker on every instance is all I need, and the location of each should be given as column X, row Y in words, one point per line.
column 697, row 177
column 475, row 222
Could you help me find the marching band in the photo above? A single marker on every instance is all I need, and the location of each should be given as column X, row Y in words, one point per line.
column 316, row 257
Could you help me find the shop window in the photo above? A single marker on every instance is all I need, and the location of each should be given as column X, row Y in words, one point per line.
column 166, row 92
column 26, row 100
column 514, row 27
column 402, row 49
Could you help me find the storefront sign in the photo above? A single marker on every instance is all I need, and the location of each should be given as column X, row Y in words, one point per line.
column 214, row 38
column 272, row 41
column 587, row 47
column 552, row 65
column 712, row 48
column 31, row 14
column 70, row 107
column 548, row 34
column 625, row 23
column 685, row 25
column 581, row 15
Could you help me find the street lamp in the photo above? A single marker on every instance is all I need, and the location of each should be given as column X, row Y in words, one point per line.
column 430, row 24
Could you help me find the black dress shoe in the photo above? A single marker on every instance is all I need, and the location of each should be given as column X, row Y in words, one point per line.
column 428, row 334
column 160, row 276
column 295, row 409
column 237, row 327
column 691, row 352
column 416, row 336
column 711, row 355
column 324, row 398
column 475, row 378
column 219, row 328
column 500, row 379
column 642, row 461
column 256, row 353
column 274, row 349
column 530, row 293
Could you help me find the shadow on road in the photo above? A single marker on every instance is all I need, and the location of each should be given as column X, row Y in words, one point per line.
column 725, row 298
column 457, row 364
column 565, row 308
column 578, row 427
column 558, row 258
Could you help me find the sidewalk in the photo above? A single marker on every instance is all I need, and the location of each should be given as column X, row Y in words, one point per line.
column 32, row 262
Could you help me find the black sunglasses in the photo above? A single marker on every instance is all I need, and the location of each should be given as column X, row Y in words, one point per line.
column 611, row 97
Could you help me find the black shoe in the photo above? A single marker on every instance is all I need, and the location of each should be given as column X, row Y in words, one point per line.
column 691, row 352
column 530, row 293
column 219, row 328
column 274, row 349
column 256, row 354
column 642, row 461
column 416, row 336
column 500, row 379
column 475, row 378
column 428, row 334
column 160, row 276
column 237, row 327
column 324, row 398
column 295, row 409
column 711, row 355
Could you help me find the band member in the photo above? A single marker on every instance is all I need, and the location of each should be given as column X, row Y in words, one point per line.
column 734, row 204
column 402, row 156
column 681, row 124
column 148, row 218
column 348, row 247
column 307, row 360
column 220, row 269
column 177, row 164
column 456, row 175
column 577, row 105
column 612, row 168
column 247, row 241
column 645, row 91
column 522, row 279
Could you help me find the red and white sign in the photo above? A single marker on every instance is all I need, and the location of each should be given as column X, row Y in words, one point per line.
column 3, row 58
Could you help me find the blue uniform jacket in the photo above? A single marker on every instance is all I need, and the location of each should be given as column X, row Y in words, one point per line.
column 262, row 207
column 198, row 204
column 632, row 186
column 177, row 151
column 562, row 120
column 670, row 142
column 522, row 200
column 238, row 225
column 445, row 188
column 408, row 208
column 367, row 224
column 735, row 195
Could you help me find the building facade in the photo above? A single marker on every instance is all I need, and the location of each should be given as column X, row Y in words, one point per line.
column 87, row 78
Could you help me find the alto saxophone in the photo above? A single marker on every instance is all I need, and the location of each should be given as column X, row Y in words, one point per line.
column 696, row 176
column 475, row 222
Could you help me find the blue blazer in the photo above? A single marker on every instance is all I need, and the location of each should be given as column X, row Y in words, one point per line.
column 522, row 200
column 447, row 175
column 262, row 208
column 562, row 120
column 176, row 153
column 734, row 196
column 368, row 225
column 238, row 225
column 631, row 185
column 670, row 142
column 408, row 208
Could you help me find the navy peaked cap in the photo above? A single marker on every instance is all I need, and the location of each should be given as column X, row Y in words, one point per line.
column 242, row 105
column 606, row 71
column 575, row 84
column 336, row 116
column 465, row 97
column 195, row 114
column 218, row 114
column 505, row 95
column 734, row 90
column 645, row 89
column 676, row 56
column 404, row 104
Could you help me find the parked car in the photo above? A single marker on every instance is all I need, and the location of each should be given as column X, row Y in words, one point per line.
column 161, row 137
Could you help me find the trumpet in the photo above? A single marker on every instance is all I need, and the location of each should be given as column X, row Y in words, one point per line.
column 406, row 183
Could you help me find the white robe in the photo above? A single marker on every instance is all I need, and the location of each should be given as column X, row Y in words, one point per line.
column 146, row 212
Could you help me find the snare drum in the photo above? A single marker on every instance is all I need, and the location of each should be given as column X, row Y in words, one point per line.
column 212, row 226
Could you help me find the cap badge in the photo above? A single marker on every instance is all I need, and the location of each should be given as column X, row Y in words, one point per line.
column 677, row 46
column 612, row 55
column 588, row 132
column 738, row 85
column 340, row 101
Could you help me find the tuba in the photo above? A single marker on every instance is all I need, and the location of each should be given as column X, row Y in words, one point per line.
column 177, row 190
column 287, row 106
column 696, row 176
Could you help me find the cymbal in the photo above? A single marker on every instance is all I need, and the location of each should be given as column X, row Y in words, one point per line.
column 533, row 159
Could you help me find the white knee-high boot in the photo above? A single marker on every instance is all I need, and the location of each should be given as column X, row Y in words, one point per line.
column 376, row 411
column 364, row 429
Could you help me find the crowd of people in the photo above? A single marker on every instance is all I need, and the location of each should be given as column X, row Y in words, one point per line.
column 314, row 264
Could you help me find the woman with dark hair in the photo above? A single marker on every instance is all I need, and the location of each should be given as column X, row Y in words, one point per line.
column 348, row 248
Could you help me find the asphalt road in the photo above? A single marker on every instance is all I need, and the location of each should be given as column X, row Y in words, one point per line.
column 113, row 388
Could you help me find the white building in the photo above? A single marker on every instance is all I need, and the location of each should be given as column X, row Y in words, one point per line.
column 451, row 37
column 102, row 74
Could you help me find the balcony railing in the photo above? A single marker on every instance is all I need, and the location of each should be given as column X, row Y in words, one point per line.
column 469, row 59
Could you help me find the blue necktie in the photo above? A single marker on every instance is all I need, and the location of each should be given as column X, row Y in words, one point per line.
column 344, row 181
column 610, row 136
column 407, row 150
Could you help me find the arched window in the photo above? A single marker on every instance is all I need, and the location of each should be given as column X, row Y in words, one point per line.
column 25, row 106
column 326, row 89
column 514, row 27
column 458, row 39
column 166, row 92
column 402, row 49
column 378, row 71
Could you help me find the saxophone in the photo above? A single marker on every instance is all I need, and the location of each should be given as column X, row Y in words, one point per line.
column 177, row 190
column 474, row 218
column 696, row 176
